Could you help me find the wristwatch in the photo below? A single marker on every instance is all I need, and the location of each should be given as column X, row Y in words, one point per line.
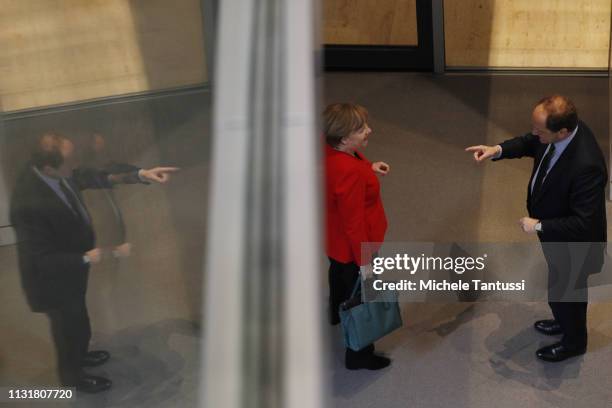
column 538, row 227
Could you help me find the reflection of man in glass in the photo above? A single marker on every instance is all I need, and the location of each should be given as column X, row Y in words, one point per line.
column 97, row 156
column 57, row 246
column 566, row 204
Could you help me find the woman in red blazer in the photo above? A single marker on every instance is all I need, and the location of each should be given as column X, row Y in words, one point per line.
column 354, row 211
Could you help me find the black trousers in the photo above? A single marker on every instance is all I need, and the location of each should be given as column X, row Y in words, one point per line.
column 71, row 332
column 342, row 278
column 567, row 294
column 572, row 317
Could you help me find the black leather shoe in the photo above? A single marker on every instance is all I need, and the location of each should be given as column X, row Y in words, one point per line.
column 548, row 327
column 371, row 362
column 92, row 384
column 558, row 352
column 95, row 358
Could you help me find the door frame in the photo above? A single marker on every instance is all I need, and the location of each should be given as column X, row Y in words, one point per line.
column 387, row 57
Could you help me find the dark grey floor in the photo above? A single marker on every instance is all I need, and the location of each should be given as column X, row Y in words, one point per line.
column 480, row 355
column 462, row 355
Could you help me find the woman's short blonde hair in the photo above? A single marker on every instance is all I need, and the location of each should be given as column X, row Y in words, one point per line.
column 342, row 119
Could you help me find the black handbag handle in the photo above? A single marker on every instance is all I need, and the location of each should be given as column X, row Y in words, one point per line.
column 356, row 288
column 352, row 301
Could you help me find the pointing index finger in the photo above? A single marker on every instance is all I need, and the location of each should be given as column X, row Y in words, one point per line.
column 168, row 169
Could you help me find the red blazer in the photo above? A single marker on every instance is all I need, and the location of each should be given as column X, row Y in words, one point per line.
column 354, row 210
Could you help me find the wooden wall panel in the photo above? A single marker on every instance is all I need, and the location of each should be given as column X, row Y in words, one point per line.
column 58, row 51
column 370, row 22
column 527, row 33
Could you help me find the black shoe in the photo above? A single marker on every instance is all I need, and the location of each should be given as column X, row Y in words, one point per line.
column 92, row 384
column 371, row 362
column 548, row 327
column 95, row 358
column 558, row 352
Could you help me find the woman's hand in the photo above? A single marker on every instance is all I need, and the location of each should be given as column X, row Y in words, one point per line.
column 381, row 168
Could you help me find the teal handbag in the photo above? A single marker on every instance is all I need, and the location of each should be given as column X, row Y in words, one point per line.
column 364, row 323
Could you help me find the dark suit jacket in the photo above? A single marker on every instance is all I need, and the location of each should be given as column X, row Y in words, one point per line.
column 571, row 204
column 52, row 239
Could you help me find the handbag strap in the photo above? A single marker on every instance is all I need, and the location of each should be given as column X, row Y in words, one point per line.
column 356, row 288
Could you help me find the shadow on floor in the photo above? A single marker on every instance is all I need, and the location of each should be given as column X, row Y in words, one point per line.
column 151, row 366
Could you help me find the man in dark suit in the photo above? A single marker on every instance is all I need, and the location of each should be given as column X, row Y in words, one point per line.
column 56, row 246
column 566, row 207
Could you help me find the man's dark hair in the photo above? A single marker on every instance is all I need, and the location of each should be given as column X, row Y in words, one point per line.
column 561, row 113
column 48, row 151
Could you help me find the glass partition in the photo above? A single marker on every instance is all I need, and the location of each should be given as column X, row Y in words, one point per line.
column 108, row 92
